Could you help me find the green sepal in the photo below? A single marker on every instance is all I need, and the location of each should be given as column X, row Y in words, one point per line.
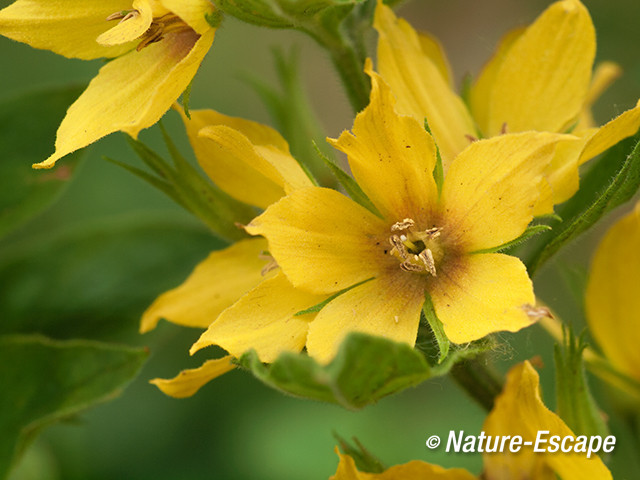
column 531, row 231
column 27, row 133
column 363, row 458
column 365, row 369
column 319, row 306
column 184, row 184
column 575, row 404
column 45, row 381
column 437, row 328
column 611, row 181
column 350, row 185
column 438, row 170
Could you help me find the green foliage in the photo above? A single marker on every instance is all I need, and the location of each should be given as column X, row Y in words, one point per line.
column 27, row 133
column 611, row 181
column 364, row 460
column 96, row 280
column 279, row 13
column 187, row 187
column 44, row 381
column 365, row 369
column 575, row 404
column 429, row 313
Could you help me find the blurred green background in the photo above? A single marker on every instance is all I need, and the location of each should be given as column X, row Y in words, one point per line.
column 103, row 252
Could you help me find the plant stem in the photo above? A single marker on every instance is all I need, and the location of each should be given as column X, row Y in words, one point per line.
column 478, row 380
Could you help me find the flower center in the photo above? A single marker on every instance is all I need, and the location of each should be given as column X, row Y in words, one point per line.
column 419, row 251
column 159, row 27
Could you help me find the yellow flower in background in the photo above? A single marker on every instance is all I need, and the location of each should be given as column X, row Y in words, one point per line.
column 518, row 410
column 540, row 78
column 424, row 242
column 156, row 47
column 251, row 162
column 612, row 300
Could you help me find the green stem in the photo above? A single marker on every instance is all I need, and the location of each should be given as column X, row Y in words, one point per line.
column 478, row 380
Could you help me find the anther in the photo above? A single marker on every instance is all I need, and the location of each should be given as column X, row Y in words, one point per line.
column 407, row 266
column 398, row 247
column 405, row 224
column 427, row 258
column 503, row 129
column 471, row 138
column 123, row 15
column 536, row 312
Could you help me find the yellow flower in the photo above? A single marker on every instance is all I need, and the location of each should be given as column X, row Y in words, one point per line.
column 156, row 47
column 252, row 163
column 540, row 78
column 519, row 410
column 612, row 301
column 424, row 242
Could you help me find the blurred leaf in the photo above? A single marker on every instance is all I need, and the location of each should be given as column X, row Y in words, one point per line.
column 575, row 404
column 93, row 281
column 44, row 381
column 28, row 127
column 611, row 181
column 364, row 459
column 366, row 369
column 279, row 13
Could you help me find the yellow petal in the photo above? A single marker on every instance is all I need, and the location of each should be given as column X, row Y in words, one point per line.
column 481, row 294
column 323, row 241
column 603, row 76
column 480, row 94
column 264, row 320
column 492, row 187
column 257, row 174
column 132, row 92
column 129, row 29
column 544, row 78
column 215, row 284
column 391, row 156
column 519, row 410
column 413, row 470
column 192, row 12
column 188, row 382
column 388, row 306
column 432, row 48
column 612, row 300
column 621, row 127
column 419, row 85
column 66, row 27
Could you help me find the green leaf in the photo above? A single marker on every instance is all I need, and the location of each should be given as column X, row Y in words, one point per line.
column 575, row 404
column 365, row 369
column 363, row 458
column 45, row 381
column 279, row 13
column 95, row 281
column 28, row 126
column 350, row 185
column 611, row 181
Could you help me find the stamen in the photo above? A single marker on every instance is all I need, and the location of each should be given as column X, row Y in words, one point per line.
column 159, row 27
column 471, row 138
column 503, row 129
column 271, row 265
column 405, row 224
column 398, row 247
column 427, row 258
column 407, row 266
column 536, row 312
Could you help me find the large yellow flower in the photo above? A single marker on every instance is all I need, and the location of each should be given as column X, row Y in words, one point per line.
column 252, row 163
column 540, row 78
column 423, row 242
column 156, row 47
column 519, row 410
column 612, row 300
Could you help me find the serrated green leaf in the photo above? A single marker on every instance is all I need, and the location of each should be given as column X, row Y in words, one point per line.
column 95, row 281
column 611, row 181
column 365, row 369
column 44, row 381
column 28, row 126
